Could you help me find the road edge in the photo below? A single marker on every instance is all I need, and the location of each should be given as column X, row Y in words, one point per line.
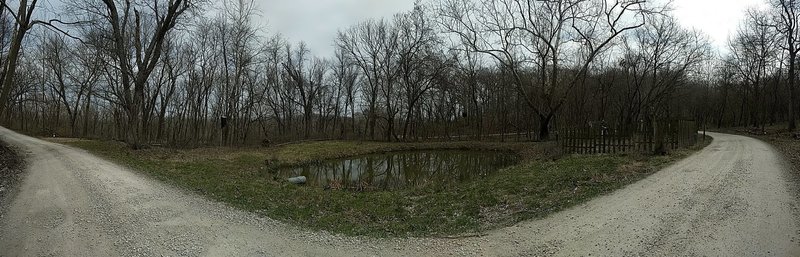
column 10, row 176
column 792, row 165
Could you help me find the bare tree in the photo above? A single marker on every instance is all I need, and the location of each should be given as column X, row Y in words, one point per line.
column 658, row 58
column 372, row 46
column 145, row 33
column 540, row 35
column 23, row 23
column 23, row 19
column 74, row 72
column 452, row 68
column 346, row 77
column 307, row 77
column 418, row 60
column 753, row 52
column 786, row 20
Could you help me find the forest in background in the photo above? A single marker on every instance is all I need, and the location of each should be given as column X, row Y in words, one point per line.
column 191, row 73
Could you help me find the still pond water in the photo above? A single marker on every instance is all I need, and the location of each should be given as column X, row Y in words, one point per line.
column 400, row 170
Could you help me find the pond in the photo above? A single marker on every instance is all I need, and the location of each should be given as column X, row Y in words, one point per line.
column 400, row 170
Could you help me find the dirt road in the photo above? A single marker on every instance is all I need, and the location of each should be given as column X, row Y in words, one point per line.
column 733, row 198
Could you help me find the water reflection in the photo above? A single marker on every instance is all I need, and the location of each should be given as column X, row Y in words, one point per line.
column 397, row 170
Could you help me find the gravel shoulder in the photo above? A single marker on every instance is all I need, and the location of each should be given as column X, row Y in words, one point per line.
column 10, row 174
column 732, row 198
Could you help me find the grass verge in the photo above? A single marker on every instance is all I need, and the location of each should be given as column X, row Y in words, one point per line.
column 536, row 187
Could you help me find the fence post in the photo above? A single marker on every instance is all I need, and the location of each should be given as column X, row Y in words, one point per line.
column 583, row 141
column 603, row 140
column 593, row 132
column 569, row 140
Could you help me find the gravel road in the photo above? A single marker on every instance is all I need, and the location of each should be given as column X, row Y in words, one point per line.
column 734, row 198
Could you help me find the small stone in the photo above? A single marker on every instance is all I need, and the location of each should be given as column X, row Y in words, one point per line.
column 297, row 180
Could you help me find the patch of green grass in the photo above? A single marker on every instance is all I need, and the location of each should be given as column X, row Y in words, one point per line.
column 534, row 188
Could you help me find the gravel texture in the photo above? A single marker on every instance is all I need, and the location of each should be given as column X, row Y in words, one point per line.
column 731, row 199
column 10, row 174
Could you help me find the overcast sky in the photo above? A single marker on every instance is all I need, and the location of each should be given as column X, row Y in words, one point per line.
column 717, row 18
column 317, row 21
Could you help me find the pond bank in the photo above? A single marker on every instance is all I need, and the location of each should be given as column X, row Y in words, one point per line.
column 416, row 169
column 535, row 187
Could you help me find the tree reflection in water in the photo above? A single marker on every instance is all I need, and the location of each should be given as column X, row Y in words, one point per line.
column 399, row 170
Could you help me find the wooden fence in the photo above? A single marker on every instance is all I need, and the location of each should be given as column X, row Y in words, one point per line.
column 644, row 137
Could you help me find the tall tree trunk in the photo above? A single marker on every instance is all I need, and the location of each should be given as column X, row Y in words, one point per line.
column 723, row 107
column 86, row 114
column 544, row 126
column 13, row 52
column 793, row 104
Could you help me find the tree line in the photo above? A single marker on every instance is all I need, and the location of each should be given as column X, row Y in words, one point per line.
column 191, row 73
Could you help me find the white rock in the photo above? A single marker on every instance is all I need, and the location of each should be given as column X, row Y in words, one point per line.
column 297, row 180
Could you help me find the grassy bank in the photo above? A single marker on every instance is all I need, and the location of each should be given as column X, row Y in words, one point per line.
column 535, row 187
